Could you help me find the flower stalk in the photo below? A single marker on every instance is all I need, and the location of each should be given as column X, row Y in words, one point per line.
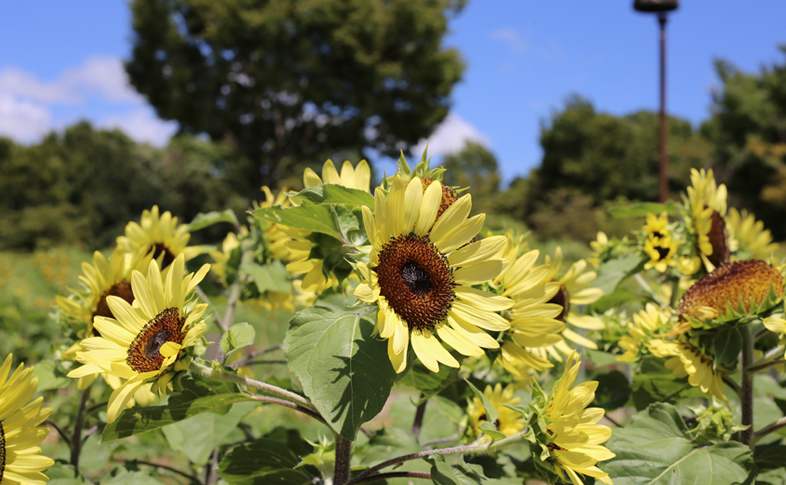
column 79, row 422
column 746, row 388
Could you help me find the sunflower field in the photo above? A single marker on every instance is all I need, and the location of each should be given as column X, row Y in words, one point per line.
column 347, row 334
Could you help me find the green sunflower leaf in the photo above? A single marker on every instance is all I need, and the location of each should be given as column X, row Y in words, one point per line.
column 197, row 397
column 655, row 448
column 269, row 277
column 336, row 194
column 728, row 345
column 333, row 220
column 343, row 369
column 653, row 382
column 491, row 412
column 238, row 336
column 207, row 219
column 263, row 461
column 612, row 273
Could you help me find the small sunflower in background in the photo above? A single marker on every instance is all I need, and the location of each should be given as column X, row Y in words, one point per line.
column 421, row 271
column 160, row 235
column 686, row 359
column 649, row 321
column 358, row 177
column 21, row 461
column 571, row 443
column 659, row 245
column 706, row 204
column 508, row 421
column 144, row 344
column 574, row 289
column 533, row 319
column 100, row 280
column 302, row 244
column 752, row 239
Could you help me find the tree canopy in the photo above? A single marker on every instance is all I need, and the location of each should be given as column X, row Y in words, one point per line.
column 294, row 82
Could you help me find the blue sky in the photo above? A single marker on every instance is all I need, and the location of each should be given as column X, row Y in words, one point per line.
column 61, row 61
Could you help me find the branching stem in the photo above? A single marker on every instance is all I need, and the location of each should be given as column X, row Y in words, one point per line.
column 245, row 381
column 770, row 428
column 475, row 447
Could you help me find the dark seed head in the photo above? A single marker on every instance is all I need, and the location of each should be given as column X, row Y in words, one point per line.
column 416, row 280
column 158, row 249
column 719, row 238
column 562, row 298
column 121, row 289
column 144, row 354
column 449, row 196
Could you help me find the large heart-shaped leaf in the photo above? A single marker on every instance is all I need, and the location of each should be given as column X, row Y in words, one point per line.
column 655, row 448
column 343, row 369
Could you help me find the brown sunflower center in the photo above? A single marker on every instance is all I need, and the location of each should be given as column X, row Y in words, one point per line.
column 144, row 354
column 562, row 298
column 2, row 451
column 747, row 281
column 719, row 238
column 449, row 196
column 160, row 248
column 121, row 289
column 416, row 280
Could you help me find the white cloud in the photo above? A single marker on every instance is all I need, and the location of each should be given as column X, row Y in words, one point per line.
column 23, row 121
column 451, row 136
column 509, row 36
column 142, row 125
column 98, row 84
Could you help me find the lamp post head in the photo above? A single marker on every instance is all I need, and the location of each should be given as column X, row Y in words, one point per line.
column 655, row 5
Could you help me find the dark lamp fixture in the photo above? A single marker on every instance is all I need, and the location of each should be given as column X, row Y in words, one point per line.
column 655, row 5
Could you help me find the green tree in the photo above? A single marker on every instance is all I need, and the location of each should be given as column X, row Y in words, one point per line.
column 748, row 134
column 291, row 82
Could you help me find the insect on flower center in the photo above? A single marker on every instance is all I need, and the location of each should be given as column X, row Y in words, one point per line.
column 416, row 280
column 144, row 354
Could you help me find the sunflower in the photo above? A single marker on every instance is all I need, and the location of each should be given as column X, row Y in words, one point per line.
column 161, row 236
column 688, row 360
column 20, row 435
column 354, row 178
column 750, row 234
column 301, row 243
column 420, row 274
column 274, row 238
column 143, row 343
column 100, row 280
column 576, row 438
column 707, row 202
column 645, row 323
column 574, row 289
column 533, row 319
column 508, row 421
column 659, row 245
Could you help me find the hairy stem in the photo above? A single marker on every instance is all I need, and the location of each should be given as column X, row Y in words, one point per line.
column 243, row 361
column 76, row 435
column 173, row 470
column 291, row 405
column 770, row 428
column 59, row 431
column 746, row 389
column 343, row 457
column 245, row 381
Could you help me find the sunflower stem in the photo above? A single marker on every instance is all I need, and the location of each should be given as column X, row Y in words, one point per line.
column 419, row 413
column 219, row 374
column 79, row 422
column 746, row 388
column 471, row 449
column 769, row 359
column 343, row 457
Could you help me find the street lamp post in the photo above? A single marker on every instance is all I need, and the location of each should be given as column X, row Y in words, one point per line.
column 661, row 7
